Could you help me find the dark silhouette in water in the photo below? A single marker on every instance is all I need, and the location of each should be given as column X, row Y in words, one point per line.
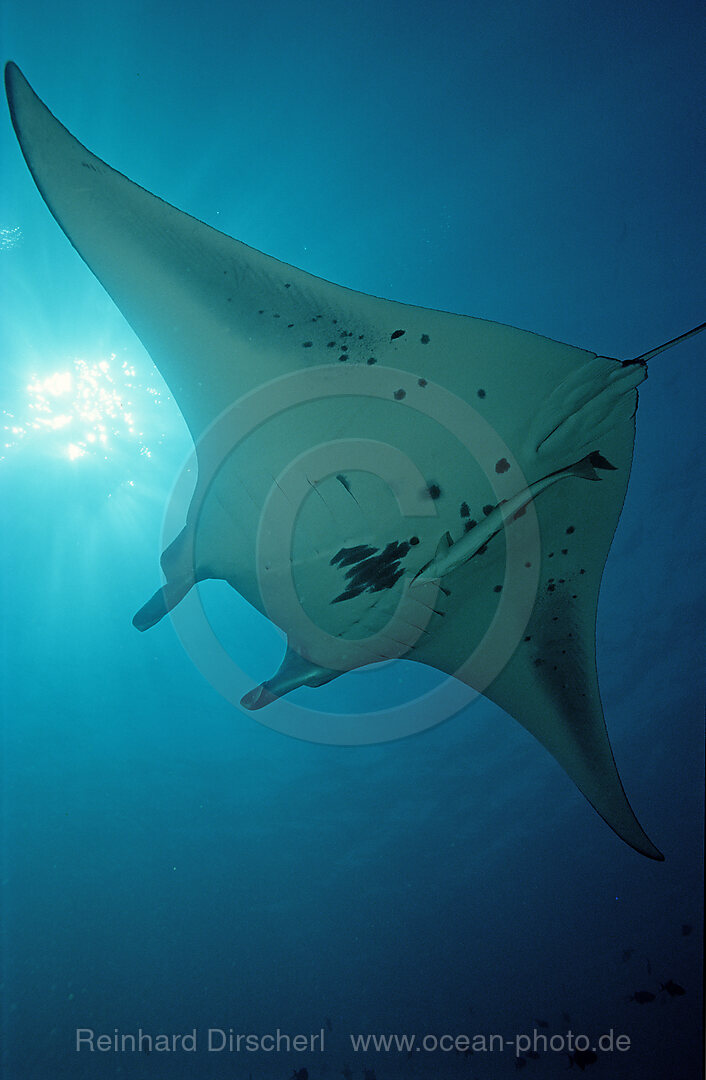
column 642, row 997
column 673, row 988
column 582, row 1058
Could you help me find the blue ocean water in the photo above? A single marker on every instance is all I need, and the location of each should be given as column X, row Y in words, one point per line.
column 171, row 864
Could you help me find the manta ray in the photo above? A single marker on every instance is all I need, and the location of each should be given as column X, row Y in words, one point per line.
column 382, row 480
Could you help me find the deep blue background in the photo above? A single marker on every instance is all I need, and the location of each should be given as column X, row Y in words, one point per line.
column 169, row 862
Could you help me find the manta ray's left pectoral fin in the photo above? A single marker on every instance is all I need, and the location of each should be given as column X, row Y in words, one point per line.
column 293, row 672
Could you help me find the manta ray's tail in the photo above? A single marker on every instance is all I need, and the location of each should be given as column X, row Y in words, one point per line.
column 662, row 348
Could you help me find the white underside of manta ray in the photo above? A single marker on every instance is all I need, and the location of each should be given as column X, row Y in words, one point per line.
column 529, row 509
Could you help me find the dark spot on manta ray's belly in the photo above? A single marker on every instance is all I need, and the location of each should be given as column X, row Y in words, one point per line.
column 343, row 356
column 386, row 580
column 330, row 344
column 307, row 344
column 399, row 394
column 488, row 509
column 349, row 594
column 570, row 530
column 348, row 556
column 372, row 360
column 396, row 334
column 424, row 339
column 421, row 382
column 565, row 551
column 481, row 393
column 433, row 491
column 468, row 525
column 498, row 588
column 502, row 466
column 414, row 540
column 465, row 512
column 370, row 572
column 287, row 284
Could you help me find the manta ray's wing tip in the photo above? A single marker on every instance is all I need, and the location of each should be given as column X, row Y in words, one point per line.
column 643, row 845
column 11, row 73
column 633, row 834
column 13, row 76
column 20, row 97
column 651, row 851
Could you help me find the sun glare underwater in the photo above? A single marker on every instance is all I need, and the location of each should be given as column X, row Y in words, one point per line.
column 84, row 408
